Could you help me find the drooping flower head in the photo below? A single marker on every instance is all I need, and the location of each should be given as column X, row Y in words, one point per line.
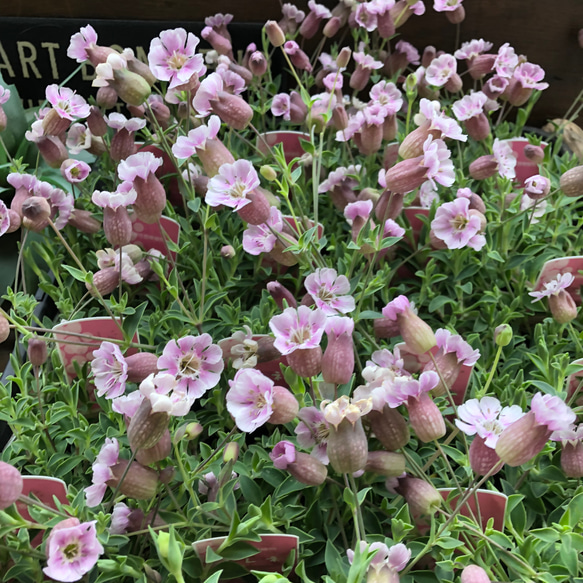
column 140, row 165
column 67, row 103
column 80, row 42
column 73, row 550
column 472, row 49
column 449, row 343
column 313, row 431
column 298, row 328
column 552, row 411
column 118, row 121
column 281, row 106
column 165, row 395
column 553, row 288
column 329, row 291
column 195, row 361
column 105, row 460
column 457, row 227
column 437, row 161
column 173, row 57
column 487, row 418
column 345, row 408
column 110, row 370
column 250, row 399
column 232, row 184
column 283, row 454
column 122, row 197
column 260, row 238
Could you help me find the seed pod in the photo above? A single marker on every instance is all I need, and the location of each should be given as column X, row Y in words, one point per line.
column 140, row 483
column 37, row 351
column 285, row 406
column 146, row 427
column 572, row 181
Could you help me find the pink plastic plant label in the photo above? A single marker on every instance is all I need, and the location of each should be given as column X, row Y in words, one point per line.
column 156, row 235
column 525, row 168
column 481, row 506
column 79, row 349
column 292, row 147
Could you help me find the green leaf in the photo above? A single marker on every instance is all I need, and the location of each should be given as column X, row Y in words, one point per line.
column 131, row 323
column 76, row 273
column 214, row 578
column 438, row 303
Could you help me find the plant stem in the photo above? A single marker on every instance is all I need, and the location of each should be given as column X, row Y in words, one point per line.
column 491, row 375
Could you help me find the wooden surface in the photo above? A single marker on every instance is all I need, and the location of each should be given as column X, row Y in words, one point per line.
column 544, row 31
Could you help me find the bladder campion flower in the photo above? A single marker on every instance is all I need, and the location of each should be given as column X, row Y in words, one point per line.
column 250, row 399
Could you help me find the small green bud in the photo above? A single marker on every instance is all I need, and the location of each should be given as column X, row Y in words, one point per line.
column 411, row 86
column 503, row 335
column 268, row 173
column 231, row 452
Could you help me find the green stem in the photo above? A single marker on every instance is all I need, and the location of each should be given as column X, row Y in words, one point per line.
column 481, row 393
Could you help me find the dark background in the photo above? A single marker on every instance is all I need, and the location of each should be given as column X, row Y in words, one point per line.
column 544, row 31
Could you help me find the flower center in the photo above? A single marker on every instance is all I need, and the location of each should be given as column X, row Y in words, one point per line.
column 325, row 295
column 190, row 364
column 322, row 433
column 493, row 426
column 459, row 223
column 176, row 61
column 71, row 551
column 300, row 335
column 238, row 190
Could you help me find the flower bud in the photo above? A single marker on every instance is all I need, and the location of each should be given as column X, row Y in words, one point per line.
column 534, row 153
column 106, row 97
column 385, row 463
column 189, row 431
column 257, row 212
column 166, row 475
column 474, row 574
column 96, row 122
column 343, row 58
column 231, row 452
column 146, row 427
column 332, row 27
column 4, row 328
column 306, row 362
column 422, row 497
column 416, row 333
column 228, row 252
column 425, row 418
column 268, row 172
column 274, row 33
column 503, row 335
column 157, row 452
column 563, row 307
column 572, row 181
column 37, row 351
column 338, row 360
column 285, row 406
column 104, row 282
column 258, row 64
column 140, row 366
column 389, row 427
column 10, row 485
column 140, row 482
column 572, row 459
column 279, row 293
column 347, row 447
column 456, row 16
column 308, row 470
column 483, row 167
column 36, row 209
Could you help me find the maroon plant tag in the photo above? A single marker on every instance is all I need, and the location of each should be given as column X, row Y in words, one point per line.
column 482, row 506
column 151, row 236
column 274, row 549
column 82, row 351
column 290, row 140
column 525, row 168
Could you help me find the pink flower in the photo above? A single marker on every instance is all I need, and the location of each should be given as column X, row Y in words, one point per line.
column 118, row 121
column 345, row 408
column 80, row 42
column 333, row 82
column 427, row 194
column 342, row 176
column 195, row 361
column 312, row 430
column 470, row 105
column 384, row 364
column 409, row 51
column 446, row 5
column 530, row 76
column 173, row 57
column 436, row 159
column 397, row 306
column 78, row 138
column 537, row 186
column 472, row 49
column 365, row 61
column 110, row 370
column 392, row 229
column 453, row 343
column 301, row 328
column 387, row 562
column 506, row 61
column 260, row 238
column 105, row 460
column 359, row 209
column 120, row 518
column 487, row 418
column 186, row 146
column 67, row 103
column 208, row 91
column 505, row 158
column 431, row 111
column 283, row 454
column 250, row 399
column 281, row 106
column 127, row 405
column 366, row 16
column 456, row 226
column 60, row 201
column 123, row 197
column 441, row 70
column 165, row 395
column 232, row 184
column 4, row 218
column 72, row 551
column 526, row 202
column 329, row 291
column 552, row 411
column 553, row 287
column 75, row 171
column 404, row 388
column 386, row 94
column 4, row 95
column 139, row 165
